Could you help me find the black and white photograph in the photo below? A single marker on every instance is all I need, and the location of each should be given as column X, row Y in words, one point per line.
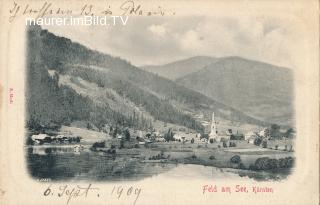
column 160, row 96
column 162, row 102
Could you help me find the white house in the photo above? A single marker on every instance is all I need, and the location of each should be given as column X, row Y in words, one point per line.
column 39, row 137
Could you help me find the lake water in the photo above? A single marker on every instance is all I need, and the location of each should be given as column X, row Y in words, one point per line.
column 64, row 163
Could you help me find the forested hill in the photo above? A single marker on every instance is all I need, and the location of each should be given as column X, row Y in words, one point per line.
column 261, row 90
column 68, row 82
column 181, row 68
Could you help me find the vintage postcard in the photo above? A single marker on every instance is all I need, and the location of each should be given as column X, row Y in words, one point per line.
column 159, row 102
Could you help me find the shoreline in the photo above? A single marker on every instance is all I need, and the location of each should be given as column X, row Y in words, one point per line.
column 211, row 157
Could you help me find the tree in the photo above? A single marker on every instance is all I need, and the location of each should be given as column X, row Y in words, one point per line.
column 224, row 144
column 169, row 135
column 257, row 141
column 275, row 131
column 264, row 143
column 121, row 143
column 289, row 133
column 235, row 159
column 127, row 134
column 115, row 132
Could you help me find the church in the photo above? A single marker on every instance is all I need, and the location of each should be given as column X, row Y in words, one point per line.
column 214, row 136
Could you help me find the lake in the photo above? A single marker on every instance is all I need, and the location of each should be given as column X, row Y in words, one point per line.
column 63, row 163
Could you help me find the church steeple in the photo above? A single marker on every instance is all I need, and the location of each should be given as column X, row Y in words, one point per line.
column 213, row 131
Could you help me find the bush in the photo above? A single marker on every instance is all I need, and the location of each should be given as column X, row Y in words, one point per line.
column 264, row 144
column 232, row 144
column 273, row 163
column 266, row 163
column 212, row 157
column 99, row 145
column 241, row 166
column 252, row 167
column 289, row 161
column 262, row 163
column 29, row 141
column 225, row 145
column 257, row 141
column 282, row 163
column 111, row 151
column 235, row 159
column 286, row 162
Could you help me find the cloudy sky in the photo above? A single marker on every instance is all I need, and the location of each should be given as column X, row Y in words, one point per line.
column 159, row 40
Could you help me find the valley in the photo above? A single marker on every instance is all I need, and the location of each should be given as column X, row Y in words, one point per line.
column 83, row 104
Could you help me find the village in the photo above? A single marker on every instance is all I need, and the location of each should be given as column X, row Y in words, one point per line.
column 250, row 151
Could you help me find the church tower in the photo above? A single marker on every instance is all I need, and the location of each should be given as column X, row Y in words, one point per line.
column 213, row 130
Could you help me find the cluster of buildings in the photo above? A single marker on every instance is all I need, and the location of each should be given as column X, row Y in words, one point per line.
column 182, row 135
column 45, row 138
column 215, row 136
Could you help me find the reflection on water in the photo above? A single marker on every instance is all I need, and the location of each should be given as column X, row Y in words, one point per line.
column 73, row 163
column 63, row 163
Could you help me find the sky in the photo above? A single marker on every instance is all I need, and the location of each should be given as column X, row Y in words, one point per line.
column 160, row 40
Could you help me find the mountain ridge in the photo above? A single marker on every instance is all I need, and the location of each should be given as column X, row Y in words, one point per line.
column 179, row 68
column 261, row 86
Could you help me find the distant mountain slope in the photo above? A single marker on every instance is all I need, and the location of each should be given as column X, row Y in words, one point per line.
column 180, row 68
column 69, row 82
column 260, row 90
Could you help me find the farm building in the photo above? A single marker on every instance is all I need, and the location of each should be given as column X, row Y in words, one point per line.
column 40, row 138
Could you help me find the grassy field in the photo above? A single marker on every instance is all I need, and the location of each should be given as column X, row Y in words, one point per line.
column 87, row 136
column 202, row 154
